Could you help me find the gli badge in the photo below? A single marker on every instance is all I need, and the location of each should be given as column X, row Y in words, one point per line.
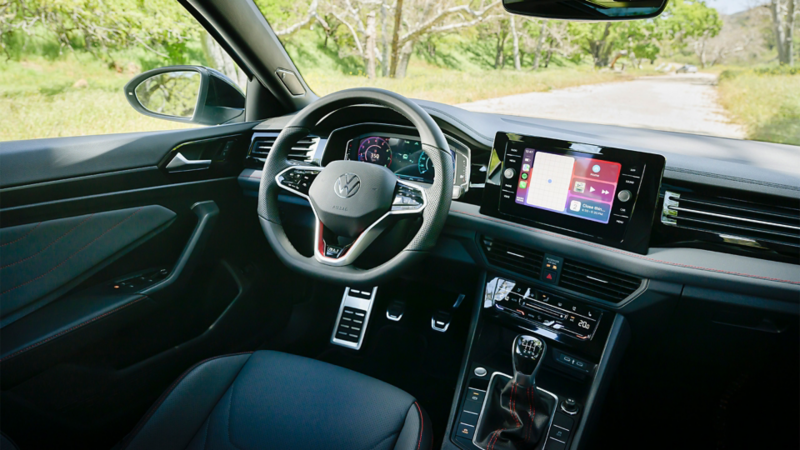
column 347, row 185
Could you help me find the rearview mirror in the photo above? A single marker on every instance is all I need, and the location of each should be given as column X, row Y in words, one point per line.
column 192, row 94
column 602, row 10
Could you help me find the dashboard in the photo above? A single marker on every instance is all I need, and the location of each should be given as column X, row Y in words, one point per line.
column 714, row 199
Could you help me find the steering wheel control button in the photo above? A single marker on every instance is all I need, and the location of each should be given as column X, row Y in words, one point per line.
column 509, row 173
column 480, row 372
column 624, row 196
column 298, row 180
column 407, row 199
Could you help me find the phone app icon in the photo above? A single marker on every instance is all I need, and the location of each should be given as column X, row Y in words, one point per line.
column 523, row 184
column 580, row 186
column 575, row 205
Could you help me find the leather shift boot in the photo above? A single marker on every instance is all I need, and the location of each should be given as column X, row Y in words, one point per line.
column 514, row 417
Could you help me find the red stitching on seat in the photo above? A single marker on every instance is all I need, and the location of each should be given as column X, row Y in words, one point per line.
column 61, row 333
column 50, row 244
column 421, row 425
column 621, row 252
column 166, row 393
column 75, row 253
column 23, row 237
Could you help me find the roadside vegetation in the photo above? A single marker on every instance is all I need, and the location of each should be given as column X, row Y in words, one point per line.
column 766, row 100
column 63, row 64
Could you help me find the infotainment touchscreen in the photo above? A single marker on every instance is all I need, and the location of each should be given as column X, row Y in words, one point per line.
column 572, row 185
column 597, row 193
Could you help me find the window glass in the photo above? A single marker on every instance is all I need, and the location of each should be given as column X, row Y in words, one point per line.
column 63, row 64
column 716, row 67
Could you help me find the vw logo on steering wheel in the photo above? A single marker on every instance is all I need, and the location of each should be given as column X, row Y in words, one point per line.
column 347, row 185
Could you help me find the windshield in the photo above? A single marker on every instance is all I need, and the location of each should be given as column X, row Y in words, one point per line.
column 722, row 68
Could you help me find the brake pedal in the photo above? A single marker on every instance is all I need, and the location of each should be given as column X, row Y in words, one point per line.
column 395, row 310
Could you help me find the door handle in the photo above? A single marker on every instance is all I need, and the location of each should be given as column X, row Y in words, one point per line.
column 180, row 164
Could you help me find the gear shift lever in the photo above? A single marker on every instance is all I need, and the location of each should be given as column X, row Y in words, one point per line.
column 527, row 355
column 515, row 415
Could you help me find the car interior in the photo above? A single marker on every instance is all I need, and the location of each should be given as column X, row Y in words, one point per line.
column 365, row 270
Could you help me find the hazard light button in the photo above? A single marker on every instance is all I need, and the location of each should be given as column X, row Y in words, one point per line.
column 551, row 268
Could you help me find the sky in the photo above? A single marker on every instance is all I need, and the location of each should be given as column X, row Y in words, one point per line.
column 732, row 6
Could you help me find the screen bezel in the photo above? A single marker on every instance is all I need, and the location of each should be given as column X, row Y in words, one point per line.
column 633, row 235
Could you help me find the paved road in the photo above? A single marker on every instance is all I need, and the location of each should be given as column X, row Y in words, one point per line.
column 686, row 103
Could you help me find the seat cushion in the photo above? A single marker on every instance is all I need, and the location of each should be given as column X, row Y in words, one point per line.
column 272, row 400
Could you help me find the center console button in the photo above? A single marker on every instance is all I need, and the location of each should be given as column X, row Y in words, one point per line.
column 476, row 395
column 559, row 433
column 570, row 406
column 624, row 196
column 465, row 431
column 553, row 444
column 564, row 421
column 509, row 173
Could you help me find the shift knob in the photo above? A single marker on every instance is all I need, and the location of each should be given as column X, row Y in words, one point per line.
column 528, row 353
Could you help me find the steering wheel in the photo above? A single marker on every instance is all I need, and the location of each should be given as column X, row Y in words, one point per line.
column 354, row 202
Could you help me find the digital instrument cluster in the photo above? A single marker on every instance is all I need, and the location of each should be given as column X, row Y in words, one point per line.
column 402, row 156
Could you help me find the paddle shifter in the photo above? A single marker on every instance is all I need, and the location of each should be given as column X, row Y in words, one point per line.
column 516, row 415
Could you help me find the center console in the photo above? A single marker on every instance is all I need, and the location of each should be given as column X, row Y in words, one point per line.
column 578, row 345
column 599, row 194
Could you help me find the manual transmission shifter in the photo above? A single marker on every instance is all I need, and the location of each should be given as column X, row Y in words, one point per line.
column 527, row 354
column 515, row 415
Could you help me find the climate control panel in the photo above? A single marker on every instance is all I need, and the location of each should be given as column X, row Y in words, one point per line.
column 542, row 308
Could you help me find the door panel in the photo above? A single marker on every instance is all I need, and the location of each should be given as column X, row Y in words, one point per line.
column 40, row 160
column 82, row 355
column 40, row 260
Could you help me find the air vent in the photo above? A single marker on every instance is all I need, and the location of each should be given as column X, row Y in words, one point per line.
column 600, row 283
column 513, row 257
column 734, row 221
column 303, row 150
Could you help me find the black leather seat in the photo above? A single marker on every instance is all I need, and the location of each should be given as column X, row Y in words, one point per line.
column 271, row 400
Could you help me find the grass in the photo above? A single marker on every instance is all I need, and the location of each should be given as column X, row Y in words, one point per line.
column 767, row 102
column 40, row 98
column 44, row 99
column 429, row 82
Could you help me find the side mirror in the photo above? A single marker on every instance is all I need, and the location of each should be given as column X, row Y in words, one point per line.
column 602, row 10
column 189, row 94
